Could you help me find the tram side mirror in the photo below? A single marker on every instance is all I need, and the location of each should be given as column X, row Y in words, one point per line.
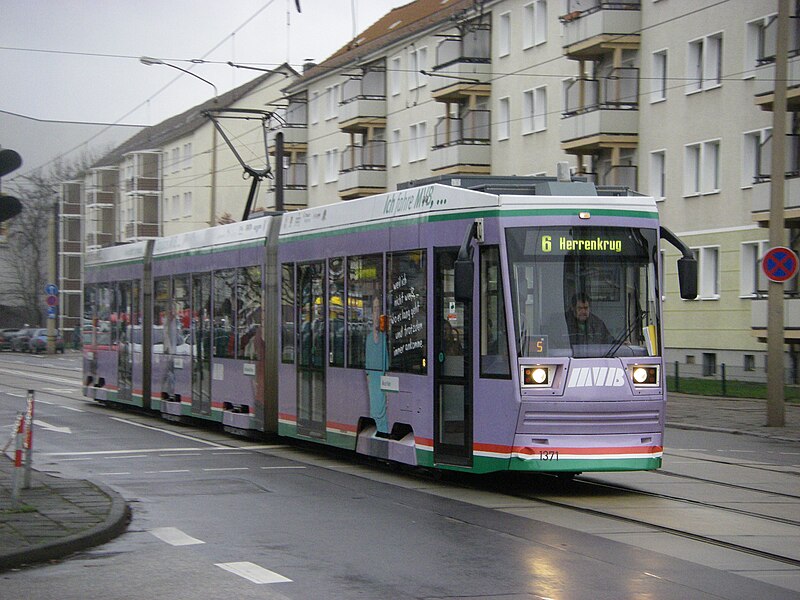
column 687, row 277
column 464, row 280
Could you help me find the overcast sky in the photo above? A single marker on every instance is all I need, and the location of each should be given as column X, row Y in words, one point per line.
column 78, row 60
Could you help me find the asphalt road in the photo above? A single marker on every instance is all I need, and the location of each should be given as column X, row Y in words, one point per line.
column 214, row 516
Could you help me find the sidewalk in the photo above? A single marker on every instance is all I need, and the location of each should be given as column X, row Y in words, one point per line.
column 68, row 515
column 60, row 516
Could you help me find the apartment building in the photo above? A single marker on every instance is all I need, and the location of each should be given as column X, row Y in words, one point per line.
column 176, row 176
column 665, row 97
column 662, row 96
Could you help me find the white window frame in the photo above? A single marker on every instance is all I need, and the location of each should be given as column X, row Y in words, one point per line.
column 752, row 143
column 395, row 148
column 754, row 31
column 417, row 61
column 187, row 156
column 708, row 261
column 332, row 102
column 711, row 164
column 751, row 277
column 534, row 24
column 704, row 63
column 332, row 165
column 658, row 90
column 658, row 174
column 503, row 118
column 417, row 142
column 187, row 204
column 313, row 108
column 534, row 102
column 395, row 76
column 313, row 170
column 504, row 34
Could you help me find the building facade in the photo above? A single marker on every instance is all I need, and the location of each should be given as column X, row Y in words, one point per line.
column 668, row 98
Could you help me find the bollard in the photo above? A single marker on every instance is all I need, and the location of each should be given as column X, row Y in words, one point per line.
column 724, row 380
column 677, row 377
column 17, row 480
column 29, row 442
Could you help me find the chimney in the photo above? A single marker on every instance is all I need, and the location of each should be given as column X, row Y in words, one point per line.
column 308, row 64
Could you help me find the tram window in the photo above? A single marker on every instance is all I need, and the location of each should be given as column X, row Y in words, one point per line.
column 224, row 296
column 494, row 335
column 408, row 329
column 248, row 312
column 162, row 317
column 287, row 314
column 89, row 308
column 105, row 301
column 182, row 310
column 121, row 315
column 364, row 305
column 336, row 309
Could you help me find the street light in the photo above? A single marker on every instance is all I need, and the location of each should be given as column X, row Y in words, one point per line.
column 149, row 61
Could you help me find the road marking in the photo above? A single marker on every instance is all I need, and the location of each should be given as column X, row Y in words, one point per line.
column 59, row 390
column 253, row 572
column 229, row 469
column 170, row 471
column 118, row 457
column 48, row 427
column 140, row 450
column 41, row 377
column 175, row 537
column 181, row 454
column 180, row 435
column 59, row 405
column 116, row 473
column 272, row 468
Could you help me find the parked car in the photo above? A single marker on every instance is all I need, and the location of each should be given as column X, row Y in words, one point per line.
column 6, row 335
column 38, row 341
column 19, row 343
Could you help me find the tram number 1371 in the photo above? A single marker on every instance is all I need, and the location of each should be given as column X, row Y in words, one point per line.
column 548, row 455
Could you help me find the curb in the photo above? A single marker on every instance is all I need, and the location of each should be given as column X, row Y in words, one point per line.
column 116, row 523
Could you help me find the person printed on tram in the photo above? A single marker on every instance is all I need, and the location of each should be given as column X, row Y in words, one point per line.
column 583, row 326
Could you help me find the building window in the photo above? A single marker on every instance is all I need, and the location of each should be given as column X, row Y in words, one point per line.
column 701, row 168
column 332, row 103
column 755, row 156
column 759, row 43
column 331, row 165
column 503, row 119
column 395, row 76
column 749, row 362
column 534, row 104
column 709, row 364
column 187, row 156
column 417, row 142
column 504, row 34
column 658, row 175
column 187, row 204
column 659, row 80
column 313, row 108
column 396, row 148
column 313, row 170
column 417, row 61
column 751, row 277
column 176, row 159
column 534, row 23
column 704, row 63
column 708, row 272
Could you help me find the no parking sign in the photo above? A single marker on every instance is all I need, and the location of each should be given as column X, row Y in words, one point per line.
column 779, row 264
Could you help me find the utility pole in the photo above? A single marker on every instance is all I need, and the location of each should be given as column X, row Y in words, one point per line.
column 775, row 341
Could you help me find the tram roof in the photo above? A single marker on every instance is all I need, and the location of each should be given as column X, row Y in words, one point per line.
column 242, row 233
column 442, row 201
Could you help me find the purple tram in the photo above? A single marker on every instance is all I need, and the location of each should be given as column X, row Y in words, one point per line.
column 471, row 323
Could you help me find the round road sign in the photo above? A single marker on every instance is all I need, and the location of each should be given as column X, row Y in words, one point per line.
column 779, row 264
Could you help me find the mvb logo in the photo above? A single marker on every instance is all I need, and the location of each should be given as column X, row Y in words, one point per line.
column 596, row 377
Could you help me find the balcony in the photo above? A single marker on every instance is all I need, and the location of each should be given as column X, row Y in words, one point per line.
column 593, row 27
column 363, row 102
column 138, row 231
column 462, row 145
column 142, row 184
column 363, row 170
column 791, row 319
column 294, row 125
column 764, row 86
column 96, row 198
column 762, row 190
column 295, row 187
column 463, row 64
column 601, row 113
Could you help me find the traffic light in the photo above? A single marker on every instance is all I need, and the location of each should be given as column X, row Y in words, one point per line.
column 9, row 206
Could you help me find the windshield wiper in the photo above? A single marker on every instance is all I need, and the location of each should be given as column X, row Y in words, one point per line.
column 620, row 339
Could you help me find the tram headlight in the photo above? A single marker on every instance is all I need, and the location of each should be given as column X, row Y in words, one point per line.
column 644, row 375
column 536, row 376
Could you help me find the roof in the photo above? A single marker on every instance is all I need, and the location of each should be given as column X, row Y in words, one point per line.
column 399, row 23
column 180, row 125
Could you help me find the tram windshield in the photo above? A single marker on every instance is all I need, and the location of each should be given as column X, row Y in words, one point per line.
column 586, row 292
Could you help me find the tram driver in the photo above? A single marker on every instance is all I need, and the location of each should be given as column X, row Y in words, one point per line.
column 583, row 326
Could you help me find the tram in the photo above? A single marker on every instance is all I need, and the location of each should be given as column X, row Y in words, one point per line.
column 469, row 323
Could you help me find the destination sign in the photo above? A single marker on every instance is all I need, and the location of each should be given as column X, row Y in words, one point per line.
column 567, row 244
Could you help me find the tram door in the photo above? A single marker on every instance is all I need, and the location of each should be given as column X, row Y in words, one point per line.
column 201, row 344
column 311, row 343
column 452, row 442
column 124, row 312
